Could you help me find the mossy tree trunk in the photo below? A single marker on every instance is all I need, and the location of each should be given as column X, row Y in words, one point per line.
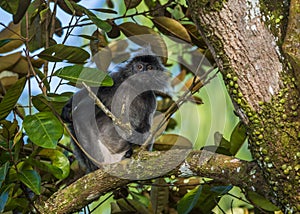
column 245, row 38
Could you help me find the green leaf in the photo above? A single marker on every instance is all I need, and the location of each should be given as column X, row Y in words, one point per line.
column 9, row 6
column 31, row 179
column 238, row 137
column 69, row 5
column 189, row 200
column 22, row 8
column 159, row 195
column 98, row 22
column 4, row 197
column 33, row 27
column 105, row 10
column 3, row 171
column 4, row 42
column 10, row 60
column 221, row 190
column 59, row 98
column 3, row 200
column 261, row 202
column 59, row 160
column 221, row 141
column 177, row 12
column 217, row 149
column 59, row 53
column 50, row 102
column 47, row 167
column 133, row 29
column 18, row 204
column 41, row 75
column 222, row 145
column 87, row 36
column 79, row 74
column 171, row 27
column 43, row 129
column 142, row 35
column 170, row 141
column 9, row 128
column 210, row 196
column 195, row 36
column 132, row 3
column 44, row 13
column 10, row 33
column 11, row 98
column 130, row 206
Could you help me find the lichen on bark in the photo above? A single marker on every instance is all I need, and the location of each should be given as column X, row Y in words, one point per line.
column 261, row 85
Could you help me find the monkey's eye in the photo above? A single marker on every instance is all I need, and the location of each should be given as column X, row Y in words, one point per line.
column 149, row 67
column 140, row 67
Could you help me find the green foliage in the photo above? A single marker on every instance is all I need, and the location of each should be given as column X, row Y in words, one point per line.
column 51, row 102
column 31, row 179
column 261, row 202
column 9, row 6
column 3, row 172
column 78, row 74
column 43, row 129
column 11, row 98
column 59, row 53
column 202, row 199
column 237, row 139
column 4, row 197
column 4, row 42
column 98, row 22
column 59, row 167
column 187, row 203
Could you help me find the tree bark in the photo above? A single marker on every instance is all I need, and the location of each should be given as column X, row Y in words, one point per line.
column 223, row 169
column 261, row 84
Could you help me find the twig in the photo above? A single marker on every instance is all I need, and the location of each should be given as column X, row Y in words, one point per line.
column 14, row 32
column 176, row 105
column 68, row 33
column 126, row 127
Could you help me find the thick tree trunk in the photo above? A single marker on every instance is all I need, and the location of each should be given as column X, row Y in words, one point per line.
column 262, row 86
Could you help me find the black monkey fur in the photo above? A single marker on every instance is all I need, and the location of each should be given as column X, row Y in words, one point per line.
column 95, row 131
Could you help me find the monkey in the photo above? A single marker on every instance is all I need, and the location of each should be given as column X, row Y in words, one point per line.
column 131, row 99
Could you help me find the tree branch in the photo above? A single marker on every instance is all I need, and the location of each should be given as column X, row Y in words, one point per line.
column 223, row 169
column 116, row 121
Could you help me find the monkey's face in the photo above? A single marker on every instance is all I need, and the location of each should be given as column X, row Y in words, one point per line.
column 141, row 66
column 145, row 63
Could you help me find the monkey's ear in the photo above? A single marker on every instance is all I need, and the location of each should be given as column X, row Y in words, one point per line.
column 66, row 114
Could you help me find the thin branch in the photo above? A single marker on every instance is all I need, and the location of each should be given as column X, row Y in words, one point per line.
column 126, row 127
column 27, row 53
column 75, row 25
column 31, row 68
column 176, row 105
column 14, row 32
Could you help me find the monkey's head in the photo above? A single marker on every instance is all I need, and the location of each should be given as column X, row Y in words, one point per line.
column 145, row 63
column 147, row 71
